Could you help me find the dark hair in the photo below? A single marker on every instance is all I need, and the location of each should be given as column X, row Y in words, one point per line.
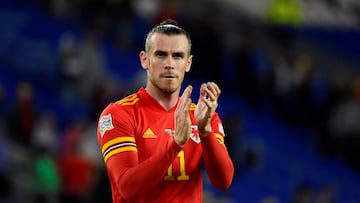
column 168, row 27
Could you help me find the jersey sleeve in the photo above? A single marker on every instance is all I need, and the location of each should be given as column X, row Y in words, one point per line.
column 218, row 163
column 116, row 128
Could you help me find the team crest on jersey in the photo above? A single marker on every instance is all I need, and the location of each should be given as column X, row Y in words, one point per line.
column 195, row 134
column 105, row 124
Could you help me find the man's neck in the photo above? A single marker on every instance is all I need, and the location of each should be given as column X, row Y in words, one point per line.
column 166, row 100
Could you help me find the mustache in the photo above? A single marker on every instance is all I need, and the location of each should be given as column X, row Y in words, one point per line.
column 169, row 75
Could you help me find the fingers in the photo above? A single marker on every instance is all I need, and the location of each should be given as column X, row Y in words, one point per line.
column 185, row 99
column 206, row 106
column 187, row 92
column 214, row 90
column 210, row 91
column 182, row 118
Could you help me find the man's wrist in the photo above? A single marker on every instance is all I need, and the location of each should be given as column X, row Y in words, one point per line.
column 204, row 132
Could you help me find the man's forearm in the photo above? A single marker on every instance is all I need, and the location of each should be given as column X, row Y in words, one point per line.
column 218, row 163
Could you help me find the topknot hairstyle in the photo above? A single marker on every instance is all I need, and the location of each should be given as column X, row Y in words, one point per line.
column 167, row 27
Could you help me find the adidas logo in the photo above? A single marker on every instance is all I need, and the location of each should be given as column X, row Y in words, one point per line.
column 149, row 134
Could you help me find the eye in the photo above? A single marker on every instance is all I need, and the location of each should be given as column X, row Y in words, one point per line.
column 178, row 55
column 160, row 54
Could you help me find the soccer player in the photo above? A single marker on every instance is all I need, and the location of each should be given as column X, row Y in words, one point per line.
column 154, row 142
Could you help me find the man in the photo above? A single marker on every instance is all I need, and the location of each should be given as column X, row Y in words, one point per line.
column 154, row 143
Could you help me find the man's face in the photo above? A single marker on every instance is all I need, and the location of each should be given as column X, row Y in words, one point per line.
column 167, row 61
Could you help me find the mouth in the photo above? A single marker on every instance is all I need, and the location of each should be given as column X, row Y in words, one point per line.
column 168, row 76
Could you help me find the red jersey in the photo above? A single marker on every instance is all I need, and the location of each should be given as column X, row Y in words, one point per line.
column 143, row 161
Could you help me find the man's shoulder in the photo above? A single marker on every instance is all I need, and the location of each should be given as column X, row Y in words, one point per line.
column 129, row 100
column 123, row 104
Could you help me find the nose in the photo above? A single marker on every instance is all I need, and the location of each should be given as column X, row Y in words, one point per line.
column 169, row 63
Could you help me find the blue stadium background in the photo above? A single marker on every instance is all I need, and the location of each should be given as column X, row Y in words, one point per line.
column 275, row 156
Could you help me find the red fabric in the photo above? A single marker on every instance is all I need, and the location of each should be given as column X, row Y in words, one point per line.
column 141, row 173
column 76, row 173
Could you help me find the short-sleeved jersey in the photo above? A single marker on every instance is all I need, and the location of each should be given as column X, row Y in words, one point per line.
column 137, row 132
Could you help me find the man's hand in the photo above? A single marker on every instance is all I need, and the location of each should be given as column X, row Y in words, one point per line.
column 182, row 118
column 206, row 107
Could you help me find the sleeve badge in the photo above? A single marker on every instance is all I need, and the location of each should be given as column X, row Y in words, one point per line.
column 221, row 129
column 105, row 124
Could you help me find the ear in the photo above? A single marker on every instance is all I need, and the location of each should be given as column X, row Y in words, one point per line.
column 189, row 62
column 143, row 60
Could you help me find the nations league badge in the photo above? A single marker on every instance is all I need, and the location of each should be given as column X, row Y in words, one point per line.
column 105, row 124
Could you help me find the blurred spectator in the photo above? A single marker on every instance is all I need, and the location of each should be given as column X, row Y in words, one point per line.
column 325, row 195
column 70, row 69
column 77, row 172
column 255, row 151
column 335, row 5
column 45, row 173
column 45, row 134
column 2, row 102
column 284, row 12
column 304, row 84
column 281, row 84
column 245, row 151
column 326, row 143
column 303, row 194
column 292, row 85
column 283, row 17
column 170, row 9
column 234, row 141
column 246, row 78
column 5, row 182
column 4, row 156
column 22, row 115
column 83, row 63
column 88, row 148
column 88, row 145
column 344, row 125
column 108, row 91
column 61, row 9
column 270, row 199
column 101, row 191
column 92, row 60
column 346, row 116
column 121, row 10
column 46, row 177
column 122, row 22
column 146, row 9
column 6, row 189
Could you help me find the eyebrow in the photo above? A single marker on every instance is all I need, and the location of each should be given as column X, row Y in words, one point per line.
column 179, row 53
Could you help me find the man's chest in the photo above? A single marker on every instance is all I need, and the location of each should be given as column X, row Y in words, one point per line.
column 153, row 134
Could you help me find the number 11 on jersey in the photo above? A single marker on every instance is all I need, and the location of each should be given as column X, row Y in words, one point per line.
column 183, row 175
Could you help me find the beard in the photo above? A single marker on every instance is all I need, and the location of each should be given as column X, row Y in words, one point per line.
column 167, row 88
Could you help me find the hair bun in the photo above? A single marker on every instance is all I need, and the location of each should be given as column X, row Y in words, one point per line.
column 169, row 22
